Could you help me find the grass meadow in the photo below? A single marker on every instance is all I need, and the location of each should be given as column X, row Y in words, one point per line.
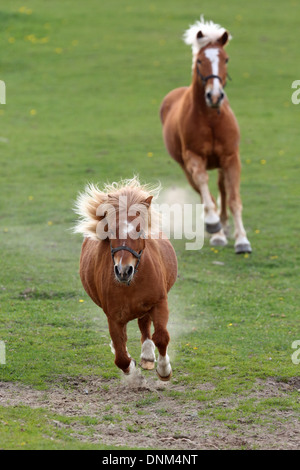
column 84, row 83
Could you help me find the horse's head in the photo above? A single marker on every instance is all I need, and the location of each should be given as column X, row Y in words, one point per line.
column 211, row 67
column 127, row 241
column 209, row 58
column 122, row 216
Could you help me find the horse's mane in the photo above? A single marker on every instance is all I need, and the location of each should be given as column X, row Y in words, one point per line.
column 89, row 201
column 211, row 32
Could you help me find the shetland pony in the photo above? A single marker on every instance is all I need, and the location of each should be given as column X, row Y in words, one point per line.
column 201, row 132
column 127, row 268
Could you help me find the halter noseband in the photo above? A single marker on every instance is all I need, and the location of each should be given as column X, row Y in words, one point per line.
column 204, row 79
column 127, row 248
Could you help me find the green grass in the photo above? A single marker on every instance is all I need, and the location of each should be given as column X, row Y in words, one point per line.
column 84, row 85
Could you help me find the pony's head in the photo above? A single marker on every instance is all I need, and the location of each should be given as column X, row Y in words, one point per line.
column 122, row 215
column 209, row 58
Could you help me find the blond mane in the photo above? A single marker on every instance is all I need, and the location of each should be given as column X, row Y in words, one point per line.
column 211, row 32
column 93, row 197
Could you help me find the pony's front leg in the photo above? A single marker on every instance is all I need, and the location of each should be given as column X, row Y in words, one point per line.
column 232, row 182
column 161, row 338
column 148, row 347
column 195, row 167
column 119, row 338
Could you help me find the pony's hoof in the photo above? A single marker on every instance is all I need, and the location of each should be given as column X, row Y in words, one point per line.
column 213, row 228
column 147, row 365
column 218, row 240
column 164, row 379
column 131, row 367
column 243, row 248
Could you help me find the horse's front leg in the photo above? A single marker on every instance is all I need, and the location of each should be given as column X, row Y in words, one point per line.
column 148, row 347
column 119, row 338
column 161, row 338
column 195, row 167
column 232, row 182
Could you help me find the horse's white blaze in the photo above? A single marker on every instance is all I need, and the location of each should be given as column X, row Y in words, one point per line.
column 163, row 365
column 213, row 55
column 148, row 350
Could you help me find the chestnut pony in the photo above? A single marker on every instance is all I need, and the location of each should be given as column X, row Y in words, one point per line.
column 127, row 268
column 201, row 132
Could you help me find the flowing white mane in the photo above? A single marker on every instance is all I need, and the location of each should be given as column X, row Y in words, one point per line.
column 89, row 201
column 211, row 32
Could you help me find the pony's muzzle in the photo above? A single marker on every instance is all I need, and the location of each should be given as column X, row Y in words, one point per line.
column 214, row 99
column 124, row 273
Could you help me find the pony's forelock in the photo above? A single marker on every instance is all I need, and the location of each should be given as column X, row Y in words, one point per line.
column 92, row 197
column 211, row 32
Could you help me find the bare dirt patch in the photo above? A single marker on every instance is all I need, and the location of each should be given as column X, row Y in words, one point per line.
column 151, row 414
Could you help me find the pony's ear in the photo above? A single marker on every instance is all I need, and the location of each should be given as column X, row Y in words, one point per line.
column 199, row 35
column 224, row 38
column 147, row 201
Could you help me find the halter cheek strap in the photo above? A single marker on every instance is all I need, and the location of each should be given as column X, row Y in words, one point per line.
column 127, row 248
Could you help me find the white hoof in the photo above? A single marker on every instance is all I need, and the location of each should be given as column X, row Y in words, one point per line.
column 242, row 245
column 218, row 239
column 164, row 369
column 131, row 368
column 148, row 355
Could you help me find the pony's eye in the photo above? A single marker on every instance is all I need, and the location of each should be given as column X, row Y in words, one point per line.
column 227, row 60
column 198, row 61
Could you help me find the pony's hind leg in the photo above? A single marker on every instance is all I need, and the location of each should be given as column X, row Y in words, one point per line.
column 220, row 238
column 118, row 346
column 148, row 347
column 195, row 168
column 161, row 338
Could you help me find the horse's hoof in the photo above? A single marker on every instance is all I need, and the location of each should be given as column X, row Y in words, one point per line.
column 218, row 240
column 213, row 228
column 147, row 365
column 243, row 248
column 164, row 379
column 131, row 367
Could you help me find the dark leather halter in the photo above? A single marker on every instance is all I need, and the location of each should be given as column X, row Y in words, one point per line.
column 204, row 79
column 127, row 248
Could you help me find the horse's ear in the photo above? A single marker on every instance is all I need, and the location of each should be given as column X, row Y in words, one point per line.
column 200, row 35
column 147, row 201
column 224, row 38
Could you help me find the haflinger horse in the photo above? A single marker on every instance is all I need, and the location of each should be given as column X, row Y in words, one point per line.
column 127, row 268
column 201, row 132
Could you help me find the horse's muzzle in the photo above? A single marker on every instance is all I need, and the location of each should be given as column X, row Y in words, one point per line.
column 214, row 100
column 124, row 274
